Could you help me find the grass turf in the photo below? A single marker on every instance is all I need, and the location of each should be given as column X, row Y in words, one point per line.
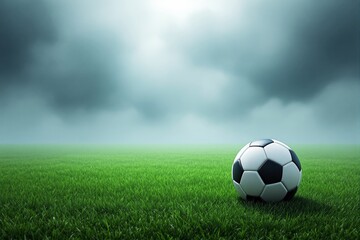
column 167, row 192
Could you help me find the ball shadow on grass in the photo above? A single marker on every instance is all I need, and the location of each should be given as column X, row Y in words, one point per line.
column 294, row 207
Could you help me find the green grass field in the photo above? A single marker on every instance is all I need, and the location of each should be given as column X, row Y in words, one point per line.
column 162, row 192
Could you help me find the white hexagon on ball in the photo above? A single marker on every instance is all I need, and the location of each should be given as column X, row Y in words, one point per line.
column 273, row 192
column 239, row 190
column 253, row 158
column 291, row 176
column 278, row 153
column 299, row 179
column 251, row 183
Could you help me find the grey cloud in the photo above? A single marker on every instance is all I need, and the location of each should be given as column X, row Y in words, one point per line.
column 337, row 105
column 81, row 77
column 323, row 49
column 290, row 50
column 87, row 71
column 23, row 25
column 69, row 72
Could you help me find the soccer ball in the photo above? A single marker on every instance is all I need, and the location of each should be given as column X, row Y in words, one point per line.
column 266, row 170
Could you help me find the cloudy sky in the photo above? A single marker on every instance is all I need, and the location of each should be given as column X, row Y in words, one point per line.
column 179, row 71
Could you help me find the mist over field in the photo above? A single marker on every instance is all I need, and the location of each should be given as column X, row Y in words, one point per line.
column 179, row 71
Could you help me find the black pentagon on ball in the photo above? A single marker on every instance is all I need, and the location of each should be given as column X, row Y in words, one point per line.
column 238, row 171
column 295, row 159
column 261, row 143
column 290, row 194
column 270, row 172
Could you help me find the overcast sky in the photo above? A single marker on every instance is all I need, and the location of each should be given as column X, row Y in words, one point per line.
column 179, row 71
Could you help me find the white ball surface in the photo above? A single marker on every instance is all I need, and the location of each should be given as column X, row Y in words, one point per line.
column 251, row 183
column 253, row 158
column 291, row 176
column 278, row 153
column 274, row 192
